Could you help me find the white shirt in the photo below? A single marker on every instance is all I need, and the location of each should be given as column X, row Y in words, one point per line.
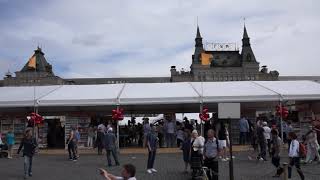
column 294, row 148
column 121, row 178
column 198, row 144
column 267, row 132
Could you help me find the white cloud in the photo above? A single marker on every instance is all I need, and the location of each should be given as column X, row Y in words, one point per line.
column 144, row 38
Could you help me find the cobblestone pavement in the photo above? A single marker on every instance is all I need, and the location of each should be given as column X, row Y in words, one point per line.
column 169, row 166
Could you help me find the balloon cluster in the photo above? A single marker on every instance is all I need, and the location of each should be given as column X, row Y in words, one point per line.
column 204, row 115
column 34, row 119
column 117, row 114
column 282, row 111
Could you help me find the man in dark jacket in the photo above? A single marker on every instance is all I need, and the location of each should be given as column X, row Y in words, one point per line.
column 29, row 145
column 262, row 142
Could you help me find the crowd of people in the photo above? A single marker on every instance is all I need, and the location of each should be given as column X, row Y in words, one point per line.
column 198, row 151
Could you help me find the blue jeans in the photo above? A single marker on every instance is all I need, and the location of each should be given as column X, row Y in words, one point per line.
column 170, row 139
column 114, row 154
column 27, row 165
column 151, row 158
column 243, row 138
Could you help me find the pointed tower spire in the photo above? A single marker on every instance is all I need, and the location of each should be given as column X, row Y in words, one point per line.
column 198, row 32
column 245, row 38
column 247, row 53
column 198, row 47
column 245, row 34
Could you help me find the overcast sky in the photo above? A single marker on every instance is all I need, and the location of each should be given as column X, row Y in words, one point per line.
column 112, row 38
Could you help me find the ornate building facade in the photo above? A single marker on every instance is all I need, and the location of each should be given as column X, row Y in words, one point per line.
column 224, row 63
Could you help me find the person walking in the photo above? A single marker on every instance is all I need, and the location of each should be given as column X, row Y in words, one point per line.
column 71, row 145
column 294, row 157
column 196, row 160
column 267, row 136
column 111, row 147
column 222, row 136
column 275, row 151
column 91, row 135
column 77, row 140
column 244, row 130
column 152, row 143
column 186, row 147
column 312, row 146
column 210, row 153
column 29, row 145
column 262, row 143
column 10, row 142
column 100, row 140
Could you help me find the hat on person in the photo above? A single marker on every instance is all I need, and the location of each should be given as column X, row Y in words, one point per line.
column 264, row 123
column 110, row 129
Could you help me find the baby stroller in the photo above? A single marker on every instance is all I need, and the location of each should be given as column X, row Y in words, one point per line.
column 3, row 151
column 198, row 170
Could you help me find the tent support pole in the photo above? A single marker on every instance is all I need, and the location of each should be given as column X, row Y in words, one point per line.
column 201, row 122
column 281, row 122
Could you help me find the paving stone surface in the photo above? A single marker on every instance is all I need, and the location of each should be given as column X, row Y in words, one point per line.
column 169, row 166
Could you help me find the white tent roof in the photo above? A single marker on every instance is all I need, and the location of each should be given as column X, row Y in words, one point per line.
column 159, row 93
column 234, row 91
column 294, row 90
column 80, row 95
column 23, row 96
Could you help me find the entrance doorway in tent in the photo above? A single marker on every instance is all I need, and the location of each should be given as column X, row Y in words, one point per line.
column 56, row 133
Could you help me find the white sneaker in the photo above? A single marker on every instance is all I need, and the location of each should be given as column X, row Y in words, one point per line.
column 223, row 159
column 149, row 171
column 227, row 159
column 154, row 170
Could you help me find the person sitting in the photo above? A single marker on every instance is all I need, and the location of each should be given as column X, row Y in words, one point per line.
column 128, row 173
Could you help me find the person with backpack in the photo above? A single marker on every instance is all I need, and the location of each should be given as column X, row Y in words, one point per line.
column 210, row 154
column 29, row 145
column 295, row 152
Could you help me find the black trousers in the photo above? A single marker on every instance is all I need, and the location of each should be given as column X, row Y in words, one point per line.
column 295, row 161
column 263, row 152
column 71, row 150
column 213, row 168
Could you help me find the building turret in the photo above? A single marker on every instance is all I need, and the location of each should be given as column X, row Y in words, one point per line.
column 198, row 47
column 247, row 53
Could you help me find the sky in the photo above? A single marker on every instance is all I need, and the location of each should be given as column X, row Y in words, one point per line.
column 138, row 38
